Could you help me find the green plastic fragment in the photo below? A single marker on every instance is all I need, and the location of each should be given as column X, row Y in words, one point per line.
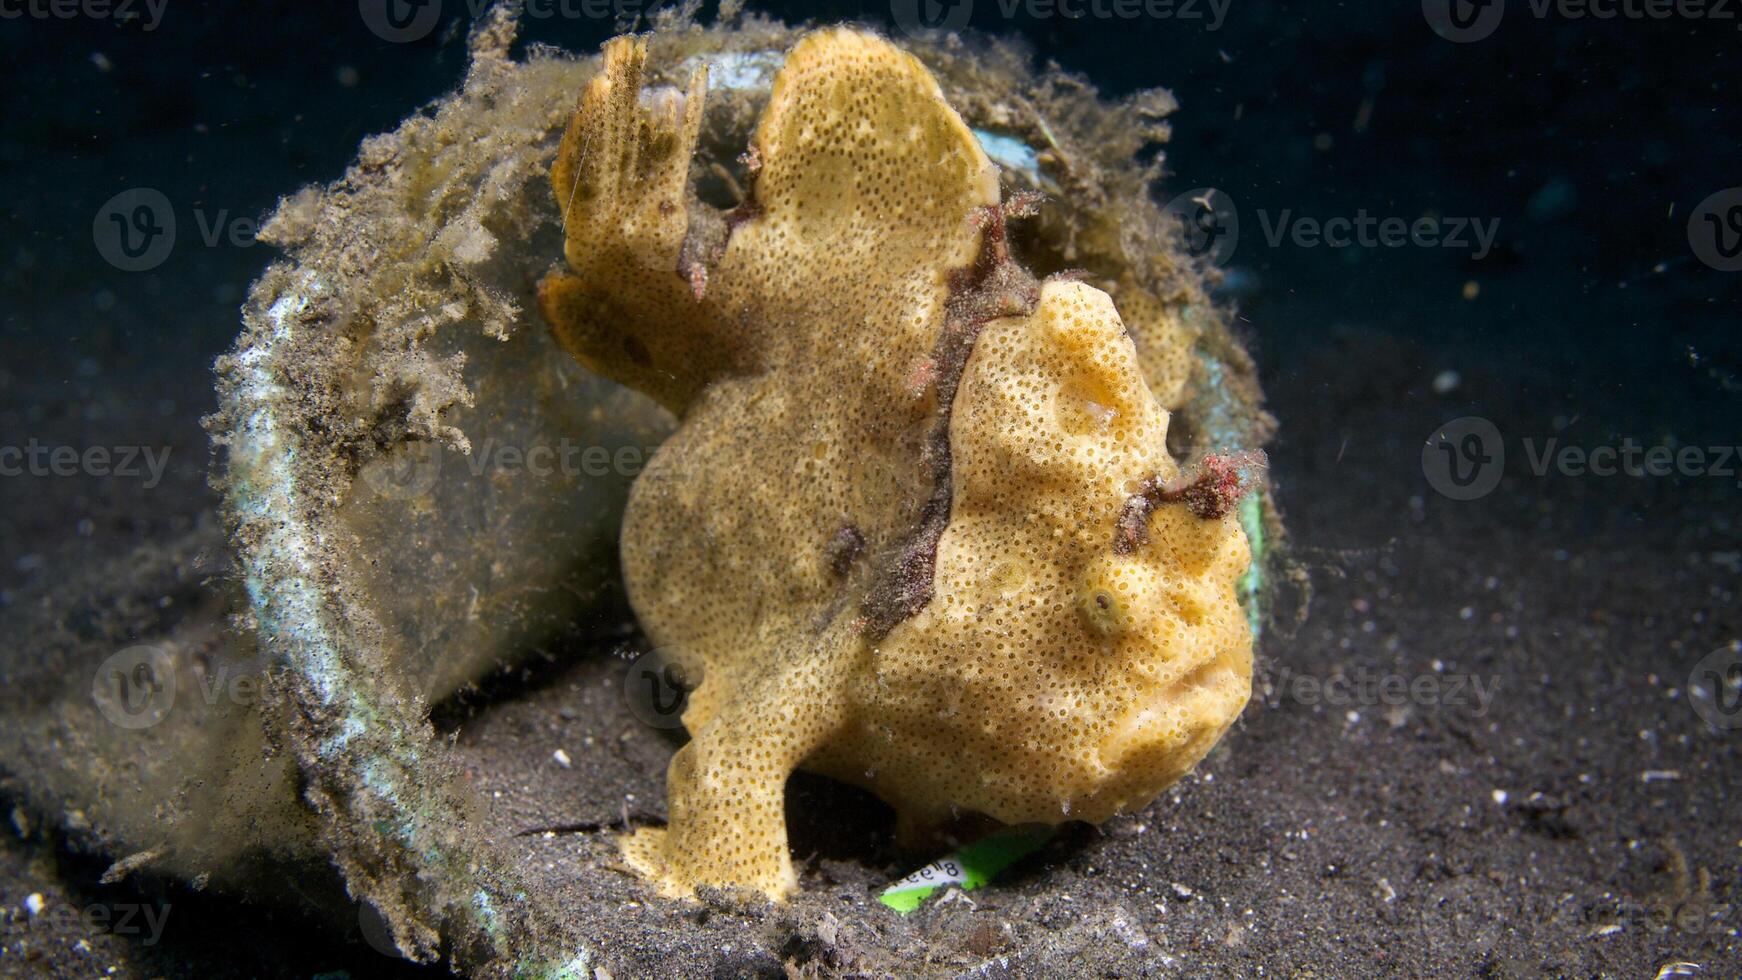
column 1252, row 583
column 968, row 868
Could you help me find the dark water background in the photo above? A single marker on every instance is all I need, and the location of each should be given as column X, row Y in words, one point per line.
column 1589, row 141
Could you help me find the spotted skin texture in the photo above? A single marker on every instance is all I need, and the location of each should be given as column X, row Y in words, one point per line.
column 881, row 536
